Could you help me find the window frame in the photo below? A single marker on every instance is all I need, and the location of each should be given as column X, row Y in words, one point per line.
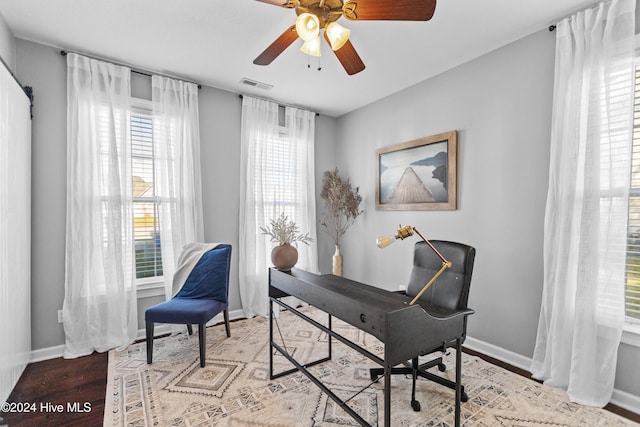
column 282, row 145
column 146, row 286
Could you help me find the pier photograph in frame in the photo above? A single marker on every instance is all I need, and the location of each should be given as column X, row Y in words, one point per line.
column 418, row 175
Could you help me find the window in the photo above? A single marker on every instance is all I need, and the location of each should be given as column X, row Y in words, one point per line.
column 632, row 289
column 279, row 188
column 145, row 207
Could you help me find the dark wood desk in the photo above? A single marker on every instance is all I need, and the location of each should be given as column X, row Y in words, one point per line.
column 405, row 330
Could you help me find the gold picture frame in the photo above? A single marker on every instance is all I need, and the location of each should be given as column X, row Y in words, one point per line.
column 418, row 175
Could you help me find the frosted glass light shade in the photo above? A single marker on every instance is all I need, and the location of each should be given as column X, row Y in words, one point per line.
column 337, row 35
column 385, row 241
column 307, row 26
column 312, row 47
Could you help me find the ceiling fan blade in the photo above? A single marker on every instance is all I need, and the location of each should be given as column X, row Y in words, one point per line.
column 277, row 47
column 348, row 57
column 385, row 10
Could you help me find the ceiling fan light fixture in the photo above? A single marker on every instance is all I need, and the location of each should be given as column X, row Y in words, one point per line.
column 312, row 47
column 337, row 35
column 307, row 26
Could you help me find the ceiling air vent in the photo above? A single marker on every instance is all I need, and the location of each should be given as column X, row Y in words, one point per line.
column 253, row 83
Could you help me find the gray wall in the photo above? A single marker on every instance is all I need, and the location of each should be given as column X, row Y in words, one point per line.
column 7, row 45
column 500, row 104
column 43, row 68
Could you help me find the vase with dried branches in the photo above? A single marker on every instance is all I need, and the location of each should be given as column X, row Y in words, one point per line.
column 285, row 232
column 342, row 207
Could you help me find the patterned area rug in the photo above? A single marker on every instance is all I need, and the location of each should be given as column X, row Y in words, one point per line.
column 234, row 389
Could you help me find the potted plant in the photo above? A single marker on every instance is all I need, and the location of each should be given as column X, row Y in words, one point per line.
column 342, row 207
column 285, row 232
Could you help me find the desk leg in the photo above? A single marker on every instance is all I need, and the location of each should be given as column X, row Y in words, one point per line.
column 270, row 338
column 329, row 324
column 387, row 396
column 458, row 380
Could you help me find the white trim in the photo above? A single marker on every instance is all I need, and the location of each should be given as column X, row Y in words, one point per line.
column 161, row 329
column 631, row 334
column 149, row 290
column 626, row 400
column 140, row 105
column 46, row 353
column 150, row 281
column 499, row 353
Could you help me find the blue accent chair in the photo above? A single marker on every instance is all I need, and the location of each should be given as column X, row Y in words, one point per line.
column 204, row 294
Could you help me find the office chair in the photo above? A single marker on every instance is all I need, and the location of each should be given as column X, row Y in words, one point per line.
column 451, row 292
column 204, row 294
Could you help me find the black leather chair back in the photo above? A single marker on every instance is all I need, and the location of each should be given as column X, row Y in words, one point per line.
column 451, row 290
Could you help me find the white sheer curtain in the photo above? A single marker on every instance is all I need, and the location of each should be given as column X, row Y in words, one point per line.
column 582, row 311
column 176, row 139
column 99, row 306
column 300, row 136
column 276, row 175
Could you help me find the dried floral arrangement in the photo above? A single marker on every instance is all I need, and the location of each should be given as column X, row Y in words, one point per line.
column 283, row 230
column 342, row 204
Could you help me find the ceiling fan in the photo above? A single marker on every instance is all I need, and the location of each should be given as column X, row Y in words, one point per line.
column 316, row 15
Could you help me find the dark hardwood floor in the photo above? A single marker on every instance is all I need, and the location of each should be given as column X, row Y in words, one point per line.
column 59, row 384
column 46, row 385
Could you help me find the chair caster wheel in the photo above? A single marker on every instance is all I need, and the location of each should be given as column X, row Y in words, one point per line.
column 415, row 405
column 464, row 397
column 442, row 367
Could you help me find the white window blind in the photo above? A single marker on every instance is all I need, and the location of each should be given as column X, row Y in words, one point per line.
column 632, row 293
column 279, row 188
column 145, row 208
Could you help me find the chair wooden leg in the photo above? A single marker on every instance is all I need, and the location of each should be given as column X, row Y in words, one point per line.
column 225, row 313
column 203, row 344
column 150, row 326
column 189, row 329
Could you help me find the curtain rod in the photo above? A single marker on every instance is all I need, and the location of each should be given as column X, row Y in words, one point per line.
column 552, row 27
column 28, row 90
column 271, row 100
column 133, row 69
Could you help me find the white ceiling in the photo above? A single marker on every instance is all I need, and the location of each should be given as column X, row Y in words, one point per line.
column 214, row 42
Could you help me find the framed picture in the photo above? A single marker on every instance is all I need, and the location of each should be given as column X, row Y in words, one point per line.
column 418, row 175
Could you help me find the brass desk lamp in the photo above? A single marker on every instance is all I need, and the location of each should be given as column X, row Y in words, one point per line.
column 402, row 234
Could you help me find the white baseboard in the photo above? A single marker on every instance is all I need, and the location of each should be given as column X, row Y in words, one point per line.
column 46, row 353
column 619, row 398
column 58, row 351
column 499, row 353
column 626, row 400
